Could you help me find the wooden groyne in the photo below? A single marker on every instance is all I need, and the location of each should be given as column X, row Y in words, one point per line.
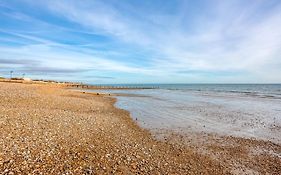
column 84, row 86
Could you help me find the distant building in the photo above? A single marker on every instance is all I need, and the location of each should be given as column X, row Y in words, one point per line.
column 27, row 79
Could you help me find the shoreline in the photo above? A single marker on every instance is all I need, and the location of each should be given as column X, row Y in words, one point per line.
column 89, row 134
column 159, row 110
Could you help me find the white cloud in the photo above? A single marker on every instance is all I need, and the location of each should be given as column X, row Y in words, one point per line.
column 235, row 38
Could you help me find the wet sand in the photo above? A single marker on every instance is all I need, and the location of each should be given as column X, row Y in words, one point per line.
column 48, row 129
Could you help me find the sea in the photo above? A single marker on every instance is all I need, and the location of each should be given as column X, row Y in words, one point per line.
column 240, row 110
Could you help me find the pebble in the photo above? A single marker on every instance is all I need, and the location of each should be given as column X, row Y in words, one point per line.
column 57, row 131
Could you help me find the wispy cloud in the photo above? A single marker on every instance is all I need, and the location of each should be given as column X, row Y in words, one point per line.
column 230, row 41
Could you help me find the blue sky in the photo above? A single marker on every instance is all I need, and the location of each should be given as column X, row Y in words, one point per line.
column 148, row 41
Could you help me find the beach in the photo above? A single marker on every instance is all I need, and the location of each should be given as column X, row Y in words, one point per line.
column 51, row 129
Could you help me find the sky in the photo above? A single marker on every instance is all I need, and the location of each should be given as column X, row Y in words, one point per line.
column 148, row 41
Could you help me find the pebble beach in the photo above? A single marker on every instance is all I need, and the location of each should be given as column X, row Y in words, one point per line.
column 49, row 129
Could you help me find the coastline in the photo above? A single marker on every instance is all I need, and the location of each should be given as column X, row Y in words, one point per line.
column 50, row 129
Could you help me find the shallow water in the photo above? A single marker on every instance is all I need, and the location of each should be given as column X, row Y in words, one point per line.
column 237, row 110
